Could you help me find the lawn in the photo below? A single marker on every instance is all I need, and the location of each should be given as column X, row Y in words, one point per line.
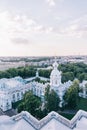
column 82, row 104
column 68, row 116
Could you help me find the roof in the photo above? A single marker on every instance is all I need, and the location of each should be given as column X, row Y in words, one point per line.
column 6, row 84
column 53, row 121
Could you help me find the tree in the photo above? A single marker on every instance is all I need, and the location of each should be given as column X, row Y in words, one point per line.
column 30, row 103
column 47, row 91
column 67, row 76
column 71, row 71
column 13, row 72
column 51, row 100
column 37, row 79
column 71, row 95
column 82, row 76
column 44, row 73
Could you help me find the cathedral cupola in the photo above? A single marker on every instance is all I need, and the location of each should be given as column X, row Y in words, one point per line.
column 55, row 77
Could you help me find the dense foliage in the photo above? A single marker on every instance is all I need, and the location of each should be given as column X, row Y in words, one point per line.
column 70, row 71
column 71, row 96
column 24, row 72
column 41, row 81
column 36, row 107
column 30, row 103
column 51, row 100
column 45, row 73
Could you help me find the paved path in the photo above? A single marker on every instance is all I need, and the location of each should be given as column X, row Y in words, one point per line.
column 11, row 112
column 68, row 111
column 1, row 112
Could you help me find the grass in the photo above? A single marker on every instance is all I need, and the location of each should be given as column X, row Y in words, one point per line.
column 68, row 116
column 82, row 104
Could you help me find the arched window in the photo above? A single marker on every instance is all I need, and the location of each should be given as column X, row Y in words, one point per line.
column 56, row 82
column 17, row 94
column 21, row 93
column 13, row 96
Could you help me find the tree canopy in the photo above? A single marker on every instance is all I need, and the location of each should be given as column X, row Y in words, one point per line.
column 51, row 100
column 70, row 71
column 31, row 103
column 71, row 95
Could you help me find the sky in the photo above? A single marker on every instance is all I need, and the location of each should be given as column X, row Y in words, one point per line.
column 43, row 27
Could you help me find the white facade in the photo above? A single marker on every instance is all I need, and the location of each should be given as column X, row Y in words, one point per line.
column 55, row 77
column 56, row 84
column 53, row 121
column 83, row 87
column 38, row 89
column 11, row 90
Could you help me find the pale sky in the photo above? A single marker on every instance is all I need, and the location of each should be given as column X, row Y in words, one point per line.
column 43, row 27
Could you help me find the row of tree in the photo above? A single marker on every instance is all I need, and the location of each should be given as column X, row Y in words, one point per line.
column 70, row 71
column 24, row 72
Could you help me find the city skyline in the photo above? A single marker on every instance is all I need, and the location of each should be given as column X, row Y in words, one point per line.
column 43, row 27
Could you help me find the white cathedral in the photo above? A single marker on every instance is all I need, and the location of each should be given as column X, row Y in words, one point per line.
column 13, row 89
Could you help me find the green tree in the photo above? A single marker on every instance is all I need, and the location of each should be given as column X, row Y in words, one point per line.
column 47, row 91
column 13, row 72
column 71, row 71
column 30, row 103
column 67, row 76
column 44, row 73
column 71, row 95
column 51, row 100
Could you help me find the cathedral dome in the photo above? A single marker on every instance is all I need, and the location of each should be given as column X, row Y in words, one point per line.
column 55, row 65
column 55, row 77
column 55, row 73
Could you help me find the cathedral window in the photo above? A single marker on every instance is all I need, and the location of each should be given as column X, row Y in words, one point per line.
column 17, row 94
column 56, row 82
column 21, row 93
column 13, row 96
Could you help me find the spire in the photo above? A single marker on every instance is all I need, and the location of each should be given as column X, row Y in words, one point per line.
column 37, row 73
column 55, row 65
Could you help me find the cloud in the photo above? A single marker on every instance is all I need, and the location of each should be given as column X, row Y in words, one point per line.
column 19, row 40
column 74, row 28
column 51, row 2
column 19, row 29
column 78, row 27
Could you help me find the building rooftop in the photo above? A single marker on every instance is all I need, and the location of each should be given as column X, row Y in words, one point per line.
column 53, row 121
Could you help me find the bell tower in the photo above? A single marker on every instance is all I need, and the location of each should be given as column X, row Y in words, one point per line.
column 55, row 77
